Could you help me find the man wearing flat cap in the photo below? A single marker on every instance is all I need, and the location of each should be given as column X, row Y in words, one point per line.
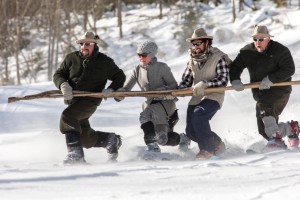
column 207, row 68
column 268, row 62
column 86, row 70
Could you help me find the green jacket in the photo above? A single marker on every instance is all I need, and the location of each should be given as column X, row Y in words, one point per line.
column 276, row 62
column 90, row 74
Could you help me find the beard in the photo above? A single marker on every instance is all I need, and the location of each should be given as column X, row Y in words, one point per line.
column 199, row 51
column 85, row 53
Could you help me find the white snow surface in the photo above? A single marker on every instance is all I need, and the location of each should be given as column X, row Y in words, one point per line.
column 32, row 148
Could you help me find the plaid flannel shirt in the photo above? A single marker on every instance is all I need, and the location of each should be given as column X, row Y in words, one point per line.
column 220, row 80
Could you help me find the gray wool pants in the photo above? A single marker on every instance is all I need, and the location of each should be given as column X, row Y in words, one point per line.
column 158, row 114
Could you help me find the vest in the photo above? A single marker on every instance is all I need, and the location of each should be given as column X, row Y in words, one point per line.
column 207, row 72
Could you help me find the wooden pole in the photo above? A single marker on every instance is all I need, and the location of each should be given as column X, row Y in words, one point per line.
column 221, row 89
column 162, row 93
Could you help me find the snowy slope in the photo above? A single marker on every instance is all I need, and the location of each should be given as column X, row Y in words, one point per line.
column 31, row 147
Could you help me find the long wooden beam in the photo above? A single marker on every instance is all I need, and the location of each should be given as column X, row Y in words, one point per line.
column 177, row 93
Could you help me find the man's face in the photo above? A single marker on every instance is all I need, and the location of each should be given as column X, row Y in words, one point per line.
column 199, row 46
column 261, row 43
column 87, row 48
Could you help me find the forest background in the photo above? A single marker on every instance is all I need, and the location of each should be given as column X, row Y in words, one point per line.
column 56, row 24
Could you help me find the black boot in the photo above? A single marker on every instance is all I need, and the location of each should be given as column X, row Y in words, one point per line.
column 75, row 150
column 150, row 136
column 173, row 139
column 111, row 142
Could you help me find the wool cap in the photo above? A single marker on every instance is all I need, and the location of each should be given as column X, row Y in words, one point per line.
column 198, row 35
column 88, row 37
column 147, row 47
column 261, row 32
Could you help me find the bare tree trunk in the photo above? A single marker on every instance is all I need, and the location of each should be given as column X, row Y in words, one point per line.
column 119, row 8
column 233, row 11
column 57, row 33
column 16, row 14
column 52, row 49
column 17, row 44
column 85, row 16
column 6, row 68
column 94, row 28
column 4, row 28
column 53, row 37
column 51, row 33
column 49, row 60
column 160, row 9
column 67, row 11
column 241, row 5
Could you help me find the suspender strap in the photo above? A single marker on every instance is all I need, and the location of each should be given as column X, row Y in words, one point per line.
column 164, row 109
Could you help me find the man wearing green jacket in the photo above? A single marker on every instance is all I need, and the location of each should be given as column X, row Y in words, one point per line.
column 268, row 62
column 86, row 70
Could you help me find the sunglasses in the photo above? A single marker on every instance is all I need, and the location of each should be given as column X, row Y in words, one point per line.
column 87, row 44
column 143, row 55
column 260, row 39
column 197, row 43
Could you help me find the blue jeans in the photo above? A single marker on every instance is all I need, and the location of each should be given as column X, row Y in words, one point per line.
column 198, row 127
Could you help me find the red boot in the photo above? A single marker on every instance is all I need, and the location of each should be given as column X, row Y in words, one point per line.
column 293, row 139
column 275, row 143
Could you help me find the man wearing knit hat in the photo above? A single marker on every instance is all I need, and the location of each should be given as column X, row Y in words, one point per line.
column 150, row 75
column 86, row 70
column 207, row 67
column 268, row 62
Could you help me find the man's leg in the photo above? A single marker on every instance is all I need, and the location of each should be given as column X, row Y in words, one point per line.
column 71, row 127
column 201, row 116
column 268, row 109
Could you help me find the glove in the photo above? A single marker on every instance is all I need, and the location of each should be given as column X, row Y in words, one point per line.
column 198, row 89
column 66, row 90
column 265, row 83
column 107, row 92
column 118, row 99
column 237, row 85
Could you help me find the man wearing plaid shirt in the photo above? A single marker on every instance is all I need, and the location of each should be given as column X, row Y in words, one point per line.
column 207, row 67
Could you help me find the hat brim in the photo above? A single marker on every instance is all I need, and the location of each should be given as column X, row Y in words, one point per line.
column 262, row 35
column 86, row 40
column 199, row 38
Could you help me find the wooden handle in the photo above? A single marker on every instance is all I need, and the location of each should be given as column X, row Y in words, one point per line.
column 178, row 93
column 221, row 89
column 252, row 85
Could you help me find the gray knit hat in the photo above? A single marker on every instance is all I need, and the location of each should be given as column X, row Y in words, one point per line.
column 148, row 47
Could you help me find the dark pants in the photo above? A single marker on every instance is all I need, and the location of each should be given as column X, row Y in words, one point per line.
column 198, row 127
column 75, row 118
column 173, row 138
column 270, row 103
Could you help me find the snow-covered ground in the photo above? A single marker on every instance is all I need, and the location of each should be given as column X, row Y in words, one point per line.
column 31, row 147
